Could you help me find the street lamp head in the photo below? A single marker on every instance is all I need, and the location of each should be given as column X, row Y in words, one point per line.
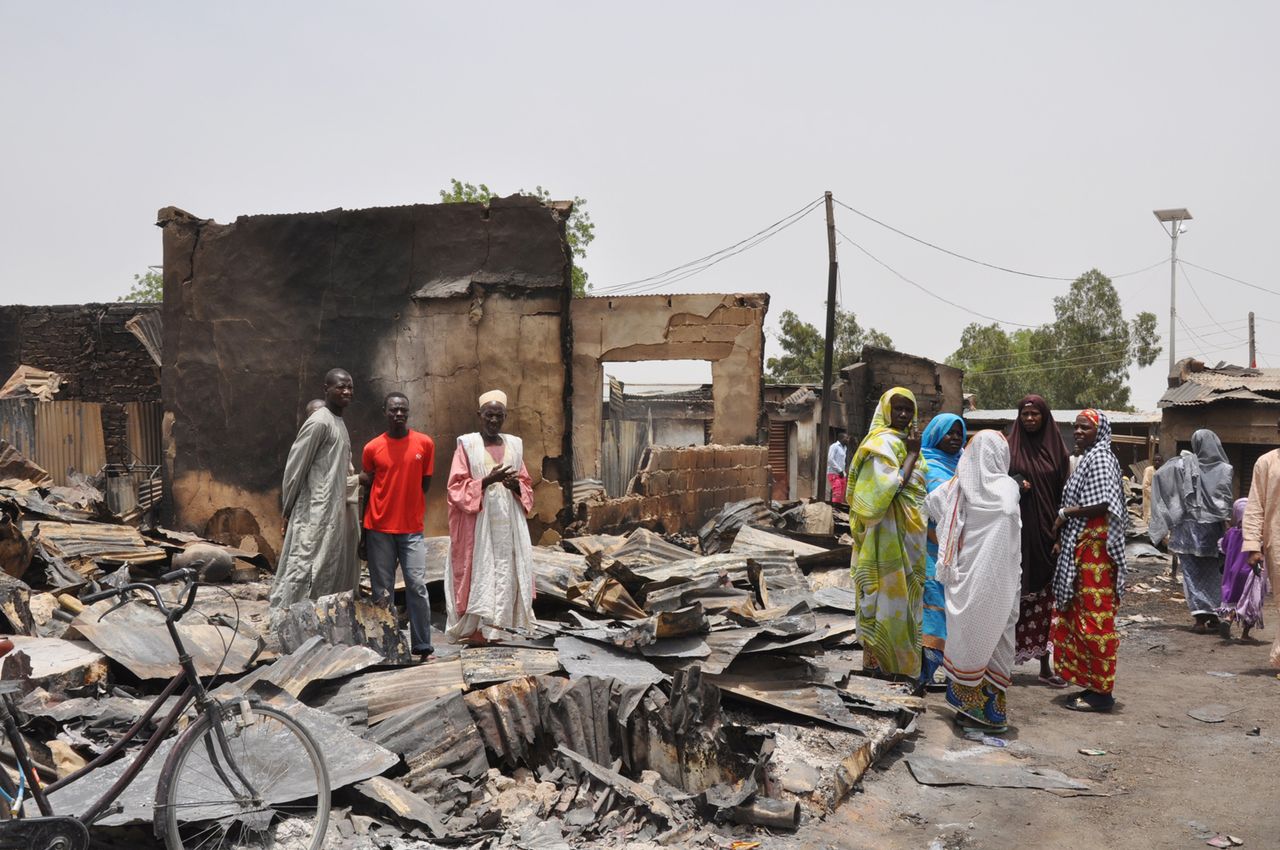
column 1172, row 215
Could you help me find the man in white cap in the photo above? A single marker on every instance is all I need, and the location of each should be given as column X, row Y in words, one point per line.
column 489, row 580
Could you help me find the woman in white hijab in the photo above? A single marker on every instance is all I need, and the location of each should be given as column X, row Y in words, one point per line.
column 980, row 567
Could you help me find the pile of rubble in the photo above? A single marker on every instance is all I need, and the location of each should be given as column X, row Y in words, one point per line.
column 668, row 697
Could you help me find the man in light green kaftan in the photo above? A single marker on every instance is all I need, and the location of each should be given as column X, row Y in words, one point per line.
column 320, row 505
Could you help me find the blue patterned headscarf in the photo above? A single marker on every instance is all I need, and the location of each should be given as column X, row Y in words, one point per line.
column 942, row 466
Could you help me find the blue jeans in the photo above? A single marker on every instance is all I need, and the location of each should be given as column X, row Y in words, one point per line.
column 384, row 550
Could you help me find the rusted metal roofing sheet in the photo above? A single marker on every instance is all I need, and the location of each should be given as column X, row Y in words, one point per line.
column 436, row 736
column 486, row 665
column 148, row 652
column 314, row 660
column 148, row 327
column 143, row 421
column 644, row 547
column 584, row 658
column 1194, row 393
column 69, row 437
column 1249, row 379
column 790, row 687
column 80, row 544
column 18, row 424
column 374, row 696
column 348, row 759
column 751, row 539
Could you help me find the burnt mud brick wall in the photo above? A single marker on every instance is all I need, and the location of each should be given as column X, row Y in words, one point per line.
column 441, row 302
column 678, row 489
column 727, row 330
column 936, row 386
column 98, row 358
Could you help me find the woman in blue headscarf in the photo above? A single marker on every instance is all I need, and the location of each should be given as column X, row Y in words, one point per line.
column 941, row 444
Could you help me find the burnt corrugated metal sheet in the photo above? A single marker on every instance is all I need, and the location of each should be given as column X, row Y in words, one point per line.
column 1194, row 393
column 142, row 430
column 68, row 436
column 18, row 424
column 149, row 329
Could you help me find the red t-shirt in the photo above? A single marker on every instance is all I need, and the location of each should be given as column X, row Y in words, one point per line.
column 396, row 501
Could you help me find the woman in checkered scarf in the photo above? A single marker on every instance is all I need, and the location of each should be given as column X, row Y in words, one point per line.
column 1089, row 578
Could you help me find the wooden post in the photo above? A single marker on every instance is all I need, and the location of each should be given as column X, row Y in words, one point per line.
column 828, row 352
column 1253, row 345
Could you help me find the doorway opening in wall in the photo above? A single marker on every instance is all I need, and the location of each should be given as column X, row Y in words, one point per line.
column 651, row 403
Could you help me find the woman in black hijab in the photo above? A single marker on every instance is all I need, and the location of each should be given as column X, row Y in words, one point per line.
column 1039, row 458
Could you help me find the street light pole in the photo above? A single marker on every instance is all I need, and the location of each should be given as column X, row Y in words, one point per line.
column 1174, row 218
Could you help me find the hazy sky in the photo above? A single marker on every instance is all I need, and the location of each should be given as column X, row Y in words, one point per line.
column 1031, row 136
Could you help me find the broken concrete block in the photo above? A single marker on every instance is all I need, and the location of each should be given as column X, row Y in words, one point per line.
column 15, row 548
column 58, row 666
column 15, row 604
column 403, row 803
column 343, row 618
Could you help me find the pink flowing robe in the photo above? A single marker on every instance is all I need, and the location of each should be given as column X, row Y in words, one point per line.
column 465, row 497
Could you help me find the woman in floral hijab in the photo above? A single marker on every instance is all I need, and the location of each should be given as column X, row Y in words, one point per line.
column 886, row 495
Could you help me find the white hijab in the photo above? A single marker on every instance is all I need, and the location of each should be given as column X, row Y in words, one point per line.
column 972, row 510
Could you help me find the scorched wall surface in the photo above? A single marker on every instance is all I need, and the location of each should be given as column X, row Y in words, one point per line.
column 441, row 302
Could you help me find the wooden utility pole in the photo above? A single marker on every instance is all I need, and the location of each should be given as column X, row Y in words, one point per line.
column 1253, row 345
column 828, row 352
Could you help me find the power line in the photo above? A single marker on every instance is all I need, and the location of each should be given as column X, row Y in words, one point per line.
column 983, row 263
column 1200, row 301
column 692, row 267
column 926, row 291
column 1229, row 277
column 1053, row 368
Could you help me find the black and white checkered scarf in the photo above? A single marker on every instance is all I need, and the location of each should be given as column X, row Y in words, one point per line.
column 1096, row 481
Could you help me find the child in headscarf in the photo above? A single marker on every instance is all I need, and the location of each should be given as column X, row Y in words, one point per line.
column 1244, row 587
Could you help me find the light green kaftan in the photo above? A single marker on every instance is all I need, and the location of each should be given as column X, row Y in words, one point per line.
column 320, row 502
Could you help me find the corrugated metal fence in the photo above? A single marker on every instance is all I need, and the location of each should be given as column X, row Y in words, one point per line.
column 67, row 435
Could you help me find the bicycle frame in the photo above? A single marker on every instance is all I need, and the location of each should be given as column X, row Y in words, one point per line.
column 195, row 692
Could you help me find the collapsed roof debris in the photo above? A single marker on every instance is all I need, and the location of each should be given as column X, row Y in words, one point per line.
column 666, row 696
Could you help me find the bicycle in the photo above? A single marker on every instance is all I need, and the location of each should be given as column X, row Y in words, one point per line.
column 241, row 775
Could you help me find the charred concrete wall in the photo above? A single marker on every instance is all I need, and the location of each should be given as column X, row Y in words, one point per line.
column 727, row 330
column 97, row 356
column 936, row 386
column 441, row 302
column 678, row 489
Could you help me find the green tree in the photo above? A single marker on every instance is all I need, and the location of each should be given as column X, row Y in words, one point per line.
column 1081, row 359
column 147, row 287
column 580, row 230
column 802, row 346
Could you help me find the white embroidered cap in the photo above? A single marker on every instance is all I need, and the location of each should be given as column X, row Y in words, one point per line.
column 494, row 396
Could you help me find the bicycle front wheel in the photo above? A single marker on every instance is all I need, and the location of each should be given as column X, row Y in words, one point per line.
column 255, row 779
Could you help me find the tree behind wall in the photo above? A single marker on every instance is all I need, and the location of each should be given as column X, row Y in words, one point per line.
column 802, row 346
column 1080, row 359
column 580, row 230
column 148, row 288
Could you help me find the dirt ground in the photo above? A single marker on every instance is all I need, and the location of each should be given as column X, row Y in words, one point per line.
column 1166, row 780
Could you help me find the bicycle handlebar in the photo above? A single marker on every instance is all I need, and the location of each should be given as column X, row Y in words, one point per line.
column 171, row 614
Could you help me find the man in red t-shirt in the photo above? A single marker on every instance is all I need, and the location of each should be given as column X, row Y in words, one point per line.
column 397, row 471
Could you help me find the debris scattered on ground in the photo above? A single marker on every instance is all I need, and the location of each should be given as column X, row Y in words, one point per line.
column 1213, row 713
column 676, row 690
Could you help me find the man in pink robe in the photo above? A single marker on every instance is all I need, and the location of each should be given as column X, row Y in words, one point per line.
column 489, row 577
